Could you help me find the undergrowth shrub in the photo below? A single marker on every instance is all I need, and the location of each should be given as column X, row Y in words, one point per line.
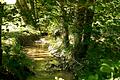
column 16, row 65
column 27, row 39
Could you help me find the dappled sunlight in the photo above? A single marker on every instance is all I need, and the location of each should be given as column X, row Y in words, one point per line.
column 44, row 61
column 10, row 41
column 10, row 1
column 56, row 40
column 37, row 52
column 56, row 78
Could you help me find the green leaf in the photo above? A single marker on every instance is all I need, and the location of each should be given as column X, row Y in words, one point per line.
column 106, row 68
column 93, row 77
column 82, row 1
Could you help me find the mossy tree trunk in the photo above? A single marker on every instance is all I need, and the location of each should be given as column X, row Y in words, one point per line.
column 83, row 32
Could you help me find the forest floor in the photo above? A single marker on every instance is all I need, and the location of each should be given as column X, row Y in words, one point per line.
column 42, row 58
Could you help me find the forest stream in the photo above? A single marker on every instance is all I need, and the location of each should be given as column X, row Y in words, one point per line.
column 39, row 53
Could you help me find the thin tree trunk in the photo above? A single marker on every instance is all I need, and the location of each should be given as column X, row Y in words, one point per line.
column 66, row 37
column 66, row 31
column 65, row 25
column 1, row 15
column 27, row 13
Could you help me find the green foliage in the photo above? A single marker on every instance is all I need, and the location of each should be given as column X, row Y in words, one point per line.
column 14, row 58
column 93, row 77
column 25, row 40
column 103, row 54
column 15, row 61
column 106, row 68
column 111, row 67
column 102, row 60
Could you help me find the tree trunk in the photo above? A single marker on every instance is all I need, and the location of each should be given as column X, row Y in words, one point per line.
column 66, row 37
column 65, row 26
column 27, row 12
column 1, row 15
column 83, row 34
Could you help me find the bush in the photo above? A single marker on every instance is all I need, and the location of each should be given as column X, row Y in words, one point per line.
column 27, row 39
column 15, row 61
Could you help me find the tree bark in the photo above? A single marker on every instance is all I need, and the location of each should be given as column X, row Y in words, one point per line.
column 65, row 25
column 1, row 15
column 27, row 12
column 83, row 34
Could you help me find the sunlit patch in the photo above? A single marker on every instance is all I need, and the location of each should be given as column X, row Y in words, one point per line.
column 2, row 1
column 56, row 78
column 38, row 51
column 10, row 41
column 10, row 1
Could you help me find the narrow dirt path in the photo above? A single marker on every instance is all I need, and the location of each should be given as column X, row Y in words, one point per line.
column 41, row 56
column 38, row 51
